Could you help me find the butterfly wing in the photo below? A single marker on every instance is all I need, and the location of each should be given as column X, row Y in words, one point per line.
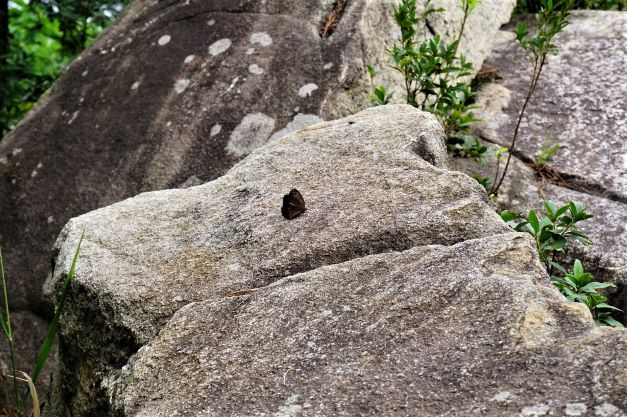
column 293, row 204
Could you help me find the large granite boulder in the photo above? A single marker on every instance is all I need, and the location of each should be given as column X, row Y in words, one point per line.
column 368, row 189
column 175, row 93
column 399, row 289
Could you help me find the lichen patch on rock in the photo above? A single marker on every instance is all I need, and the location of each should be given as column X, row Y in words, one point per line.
column 255, row 69
column 307, row 89
column 181, row 85
column 261, row 38
column 164, row 40
column 220, row 46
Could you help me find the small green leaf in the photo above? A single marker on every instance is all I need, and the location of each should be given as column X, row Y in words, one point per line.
column 578, row 267
column 593, row 286
column 533, row 221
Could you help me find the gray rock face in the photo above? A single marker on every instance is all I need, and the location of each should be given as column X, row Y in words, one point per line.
column 176, row 90
column 473, row 328
column 579, row 101
column 368, row 189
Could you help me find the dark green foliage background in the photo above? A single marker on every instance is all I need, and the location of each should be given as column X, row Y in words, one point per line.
column 533, row 6
column 39, row 38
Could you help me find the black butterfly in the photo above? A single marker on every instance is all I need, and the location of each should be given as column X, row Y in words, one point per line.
column 293, row 204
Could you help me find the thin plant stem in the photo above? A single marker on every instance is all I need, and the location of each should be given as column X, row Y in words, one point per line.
column 496, row 173
column 534, row 81
column 9, row 334
column 461, row 30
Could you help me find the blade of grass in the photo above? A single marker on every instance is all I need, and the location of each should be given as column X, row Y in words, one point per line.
column 52, row 330
column 6, row 326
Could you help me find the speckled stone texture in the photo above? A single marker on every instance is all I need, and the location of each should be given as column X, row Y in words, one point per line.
column 469, row 329
column 177, row 92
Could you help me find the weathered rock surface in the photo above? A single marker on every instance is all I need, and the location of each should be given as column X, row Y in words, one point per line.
column 177, row 92
column 579, row 101
column 373, row 182
column 469, row 329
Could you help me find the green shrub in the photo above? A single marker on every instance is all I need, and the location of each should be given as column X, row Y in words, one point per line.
column 552, row 230
column 579, row 286
column 432, row 71
column 533, row 6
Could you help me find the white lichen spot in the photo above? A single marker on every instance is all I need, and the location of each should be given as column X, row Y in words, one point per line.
column 262, row 38
column 255, row 69
column 16, row 151
column 290, row 409
column 3, row 160
column 178, row 298
column 189, row 58
column 50, row 219
column 135, row 85
column 220, row 46
column 307, row 89
column 168, row 124
column 84, row 74
column 181, row 85
column 74, row 116
column 211, row 22
column 250, row 51
column 328, row 66
column 164, row 40
column 535, row 410
column 234, row 267
column 216, row 129
column 252, row 132
column 606, row 410
column 575, row 409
